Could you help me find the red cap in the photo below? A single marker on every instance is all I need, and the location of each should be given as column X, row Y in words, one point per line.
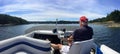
column 83, row 19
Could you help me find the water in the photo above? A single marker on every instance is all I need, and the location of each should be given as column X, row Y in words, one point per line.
column 102, row 34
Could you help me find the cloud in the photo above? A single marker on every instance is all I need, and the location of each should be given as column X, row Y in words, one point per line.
column 53, row 14
column 51, row 9
column 21, row 7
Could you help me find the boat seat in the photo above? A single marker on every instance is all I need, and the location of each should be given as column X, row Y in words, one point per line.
column 82, row 47
column 24, row 44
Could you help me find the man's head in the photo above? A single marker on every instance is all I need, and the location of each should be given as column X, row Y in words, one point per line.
column 83, row 21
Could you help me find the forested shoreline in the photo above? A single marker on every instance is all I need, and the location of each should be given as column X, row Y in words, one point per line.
column 111, row 20
column 113, row 16
column 11, row 20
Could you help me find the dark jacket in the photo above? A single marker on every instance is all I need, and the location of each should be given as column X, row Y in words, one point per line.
column 83, row 33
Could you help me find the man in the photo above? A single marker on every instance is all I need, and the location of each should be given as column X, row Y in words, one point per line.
column 83, row 33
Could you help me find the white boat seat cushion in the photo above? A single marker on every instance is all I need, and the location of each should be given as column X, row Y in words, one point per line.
column 25, row 44
column 83, row 47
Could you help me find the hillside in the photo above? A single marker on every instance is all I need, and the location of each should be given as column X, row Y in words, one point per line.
column 11, row 20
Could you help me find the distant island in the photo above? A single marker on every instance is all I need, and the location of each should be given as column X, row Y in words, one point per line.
column 11, row 20
column 6, row 20
column 54, row 22
column 111, row 20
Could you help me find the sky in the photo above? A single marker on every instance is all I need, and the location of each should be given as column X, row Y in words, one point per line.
column 50, row 10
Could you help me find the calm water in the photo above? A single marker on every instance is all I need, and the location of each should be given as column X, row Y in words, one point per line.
column 102, row 34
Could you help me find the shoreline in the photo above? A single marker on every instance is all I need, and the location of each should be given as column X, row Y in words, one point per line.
column 114, row 25
column 108, row 24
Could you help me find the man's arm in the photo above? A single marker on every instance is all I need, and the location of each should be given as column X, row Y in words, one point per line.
column 56, row 46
